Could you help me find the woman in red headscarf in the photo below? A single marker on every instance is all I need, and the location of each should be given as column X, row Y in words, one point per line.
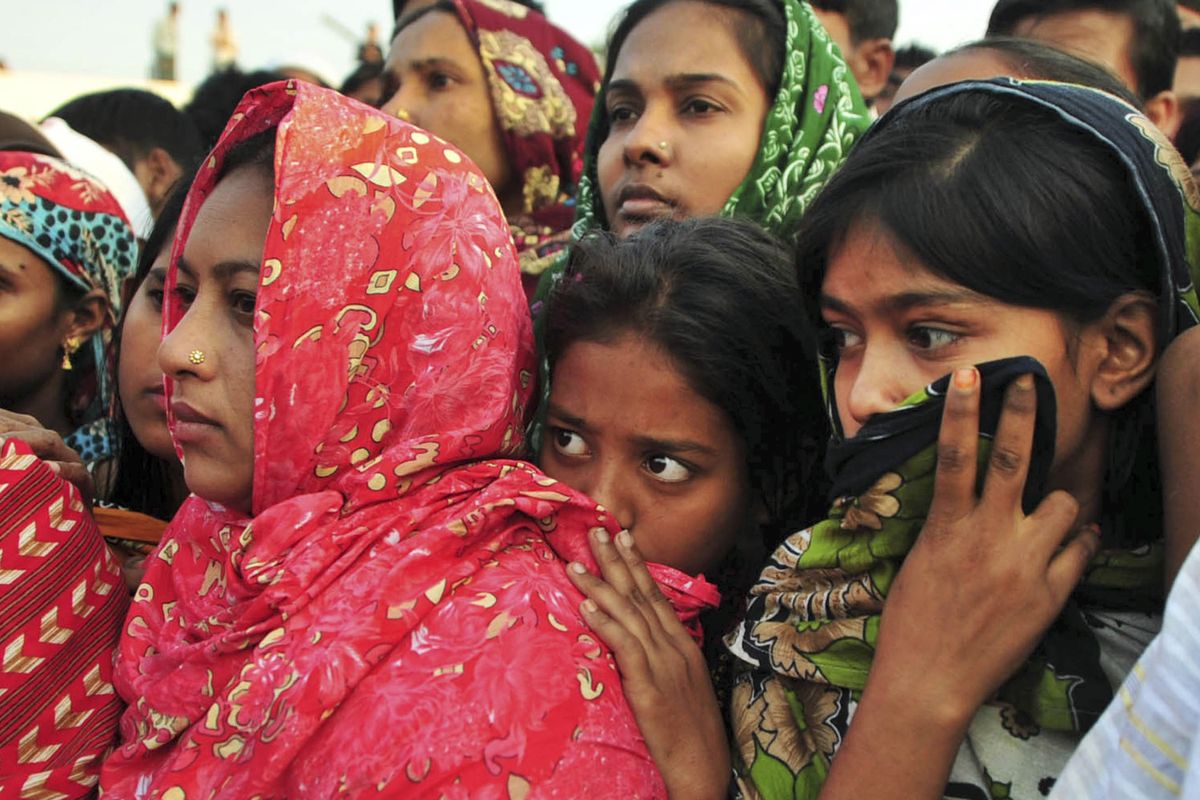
column 365, row 595
column 515, row 93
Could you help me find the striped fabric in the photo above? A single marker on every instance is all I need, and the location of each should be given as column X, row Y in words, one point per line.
column 1146, row 744
column 62, row 601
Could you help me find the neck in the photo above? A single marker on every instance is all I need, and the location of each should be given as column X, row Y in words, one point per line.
column 1081, row 473
column 46, row 405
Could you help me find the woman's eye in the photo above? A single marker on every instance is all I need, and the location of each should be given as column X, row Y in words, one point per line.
column 699, row 107
column 667, row 469
column 569, row 443
column 184, row 295
column 243, row 302
column 925, row 338
column 619, row 114
column 156, row 297
column 835, row 340
column 438, row 81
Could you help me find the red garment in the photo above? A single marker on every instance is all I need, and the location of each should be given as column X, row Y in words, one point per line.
column 543, row 84
column 61, row 604
column 395, row 619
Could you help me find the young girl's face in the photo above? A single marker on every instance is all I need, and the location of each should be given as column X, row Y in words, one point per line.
column 627, row 429
column 897, row 327
column 685, row 115
column 210, row 353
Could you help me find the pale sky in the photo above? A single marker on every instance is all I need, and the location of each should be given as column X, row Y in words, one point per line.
column 112, row 38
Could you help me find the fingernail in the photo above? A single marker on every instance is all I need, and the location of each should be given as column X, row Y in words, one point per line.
column 588, row 607
column 625, row 539
column 1025, row 381
column 54, row 467
column 577, row 568
column 601, row 535
column 965, row 378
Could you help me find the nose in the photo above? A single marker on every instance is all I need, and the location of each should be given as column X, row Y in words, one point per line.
column 608, row 486
column 400, row 104
column 186, row 351
column 649, row 142
column 880, row 383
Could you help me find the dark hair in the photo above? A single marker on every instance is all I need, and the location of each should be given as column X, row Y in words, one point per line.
column 912, row 56
column 363, row 74
column 142, row 481
column 131, row 123
column 257, row 151
column 1033, row 60
column 1189, row 42
column 405, row 20
column 866, row 19
column 719, row 296
column 218, row 95
column 761, row 33
column 1153, row 50
column 1002, row 197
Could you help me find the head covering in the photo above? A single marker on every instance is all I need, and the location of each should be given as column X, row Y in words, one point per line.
column 71, row 222
column 394, row 619
column 61, row 605
column 17, row 134
column 811, row 624
column 543, row 83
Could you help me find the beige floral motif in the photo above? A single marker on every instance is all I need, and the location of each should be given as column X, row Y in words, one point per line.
column 792, row 641
column 15, row 185
column 552, row 112
column 1168, row 157
column 541, row 188
column 768, row 720
column 507, row 8
column 873, row 506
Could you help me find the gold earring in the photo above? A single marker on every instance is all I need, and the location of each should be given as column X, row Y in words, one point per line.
column 196, row 357
column 69, row 347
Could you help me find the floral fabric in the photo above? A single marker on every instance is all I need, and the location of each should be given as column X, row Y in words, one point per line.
column 808, row 638
column 61, row 604
column 543, row 83
column 394, row 619
column 74, row 224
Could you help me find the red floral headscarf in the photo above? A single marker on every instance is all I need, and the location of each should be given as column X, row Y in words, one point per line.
column 394, row 620
column 543, row 84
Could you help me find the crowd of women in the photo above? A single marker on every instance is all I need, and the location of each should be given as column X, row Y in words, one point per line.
column 672, row 429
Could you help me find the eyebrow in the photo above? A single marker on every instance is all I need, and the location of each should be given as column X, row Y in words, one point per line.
column 642, row 442
column 907, row 300
column 432, row 62
column 677, row 82
column 224, row 270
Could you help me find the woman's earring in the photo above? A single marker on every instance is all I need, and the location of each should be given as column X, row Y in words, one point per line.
column 69, row 347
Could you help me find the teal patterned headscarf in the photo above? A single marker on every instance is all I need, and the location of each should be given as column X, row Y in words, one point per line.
column 808, row 638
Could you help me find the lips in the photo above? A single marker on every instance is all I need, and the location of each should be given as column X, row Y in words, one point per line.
column 641, row 203
column 157, row 396
column 190, row 424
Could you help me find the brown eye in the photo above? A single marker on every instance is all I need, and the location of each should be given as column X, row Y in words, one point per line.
column 667, row 469
column 569, row 443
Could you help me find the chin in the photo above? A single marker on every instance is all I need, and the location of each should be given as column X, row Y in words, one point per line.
column 217, row 484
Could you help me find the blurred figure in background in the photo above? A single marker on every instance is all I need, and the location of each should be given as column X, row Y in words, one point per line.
column 863, row 30
column 370, row 51
column 908, row 58
column 217, row 96
column 365, row 84
column 165, row 42
column 224, row 44
column 1187, row 89
column 155, row 140
column 1189, row 13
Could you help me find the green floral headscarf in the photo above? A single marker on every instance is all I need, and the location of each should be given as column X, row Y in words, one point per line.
column 808, row 638
column 815, row 119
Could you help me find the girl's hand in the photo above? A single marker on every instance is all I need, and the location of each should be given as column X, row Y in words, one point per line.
column 979, row 588
column 49, row 447
column 664, row 674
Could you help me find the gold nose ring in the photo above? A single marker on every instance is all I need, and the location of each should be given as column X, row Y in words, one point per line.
column 663, row 146
column 197, row 357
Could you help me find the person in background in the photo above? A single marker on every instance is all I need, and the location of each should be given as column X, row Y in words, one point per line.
column 155, row 140
column 1189, row 13
column 224, row 43
column 863, row 29
column 365, row 84
column 515, row 93
column 908, row 58
column 17, row 134
column 1187, row 89
column 218, row 95
column 1137, row 40
column 165, row 42
column 370, row 51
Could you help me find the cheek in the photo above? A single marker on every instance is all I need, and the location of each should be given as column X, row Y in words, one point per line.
column 609, row 166
column 140, row 335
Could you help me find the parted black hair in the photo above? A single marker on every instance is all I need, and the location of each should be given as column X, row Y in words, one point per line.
column 1032, row 60
column 720, row 297
column 1153, row 49
column 218, row 95
column 131, row 123
column 866, row 19
column 1004, row 198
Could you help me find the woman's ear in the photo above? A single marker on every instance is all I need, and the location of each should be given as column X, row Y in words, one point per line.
column 1128, row 351
column 86, row 317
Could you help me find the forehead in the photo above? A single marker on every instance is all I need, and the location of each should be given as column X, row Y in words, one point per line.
column 232, row 223
column 975, row 64
column 437, row 34
column 655, row 48
column 870, row 264
column 19, row 260
column 631, row 387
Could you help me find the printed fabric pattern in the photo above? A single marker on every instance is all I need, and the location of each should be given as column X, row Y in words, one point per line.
column 70, row 221
column 809, row 634
column 394, row 619
column 62, row 600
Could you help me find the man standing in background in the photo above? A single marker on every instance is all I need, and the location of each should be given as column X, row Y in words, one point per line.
column 863, row 31
column 166, row 38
